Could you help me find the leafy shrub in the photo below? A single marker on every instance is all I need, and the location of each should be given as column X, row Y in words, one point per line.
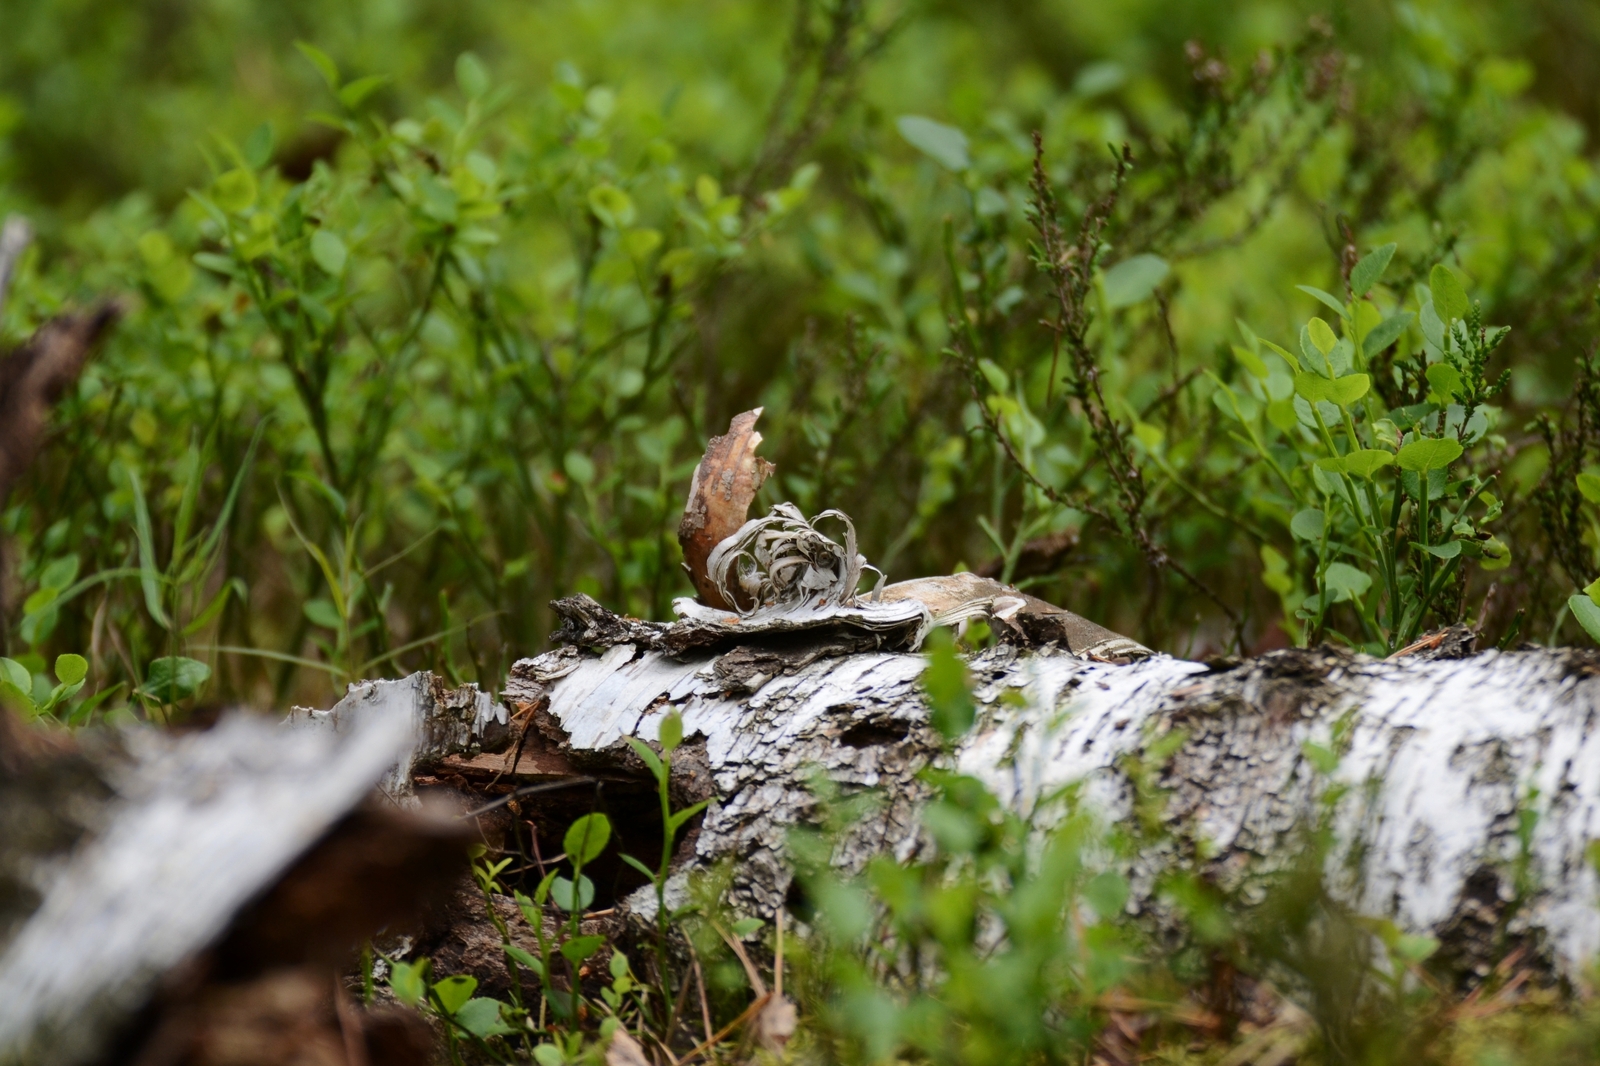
column 371, row 417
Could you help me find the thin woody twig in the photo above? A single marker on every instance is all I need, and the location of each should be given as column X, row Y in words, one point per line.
column 750, row 970
column 700, row 987
column 722, row 1034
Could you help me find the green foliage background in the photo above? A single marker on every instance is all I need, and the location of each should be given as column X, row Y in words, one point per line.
column 459, row 334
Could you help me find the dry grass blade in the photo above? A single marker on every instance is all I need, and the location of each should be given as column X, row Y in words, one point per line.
column 722, row 1034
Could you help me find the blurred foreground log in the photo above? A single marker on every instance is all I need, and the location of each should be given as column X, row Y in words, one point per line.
column 219, row 884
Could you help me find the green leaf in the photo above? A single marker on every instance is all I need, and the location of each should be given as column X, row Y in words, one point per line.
column 1411, row 482
column 453, row 992
column 236, row 586
column 319, row 59
column 1345, row 582
column 1415, row 948
column 328, row 252
column 581, row 947
column 149, row 576
column 1288, row 357
column 1365, row 274
column 1385, row 333
column 649, row 874
column 951, row 708
column 1586, row 612
column 1342, row 391
column 945, row 145
column 481, row 1018
column 1281, row 414
column 679, row 817
column 71, row 669
column 1449, row 298
column 1321, row 757
column 1240, row 408
column 60, row 574
column 1308, row 524
column 59, row 695
column 671, row 732
column 587, row 838
column 569, row 896
column 1589, row 485
column 406, row 981
column 1322, row 335
column 471, row 75
column 1363, row 463
column 1251, row 362
column 745, row 926
column 1448, row 550
column 17, row 698
column 618, row 965
column 16, row 674
column 549, row 1055
column 353, row 95
column 320, row 612
column 1446, row 382
column 523, row 958
column 1107, row 892
column 639, row 243
column 235, row 190
column 258, row 146
column 646, row 754
column 217, row 264
column 611, row 206
column 529, row 907
column 1429, row 454
column 1133, row 280
column 1496, row 555
column 174, row 678
column 1327, row 298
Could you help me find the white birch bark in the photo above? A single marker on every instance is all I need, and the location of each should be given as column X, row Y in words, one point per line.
column 1445, row 756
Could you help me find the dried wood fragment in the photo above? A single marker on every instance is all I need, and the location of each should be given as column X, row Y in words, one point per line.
column 1027, row 621
column 725, row 483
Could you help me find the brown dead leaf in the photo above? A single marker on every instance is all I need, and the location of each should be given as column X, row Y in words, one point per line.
column 724, row 485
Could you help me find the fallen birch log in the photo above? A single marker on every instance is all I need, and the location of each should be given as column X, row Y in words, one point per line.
column 1448, row 759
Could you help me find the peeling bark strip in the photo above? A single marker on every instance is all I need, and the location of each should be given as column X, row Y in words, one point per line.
column 724, row 485
column 1443, row 754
